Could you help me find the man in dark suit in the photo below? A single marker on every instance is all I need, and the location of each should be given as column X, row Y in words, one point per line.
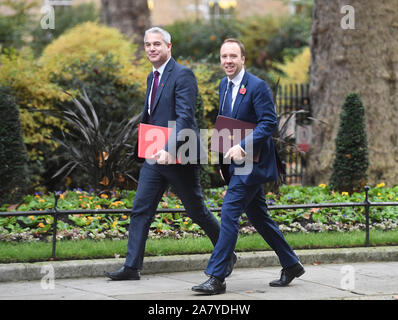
column 246, row 97
column 171, row 96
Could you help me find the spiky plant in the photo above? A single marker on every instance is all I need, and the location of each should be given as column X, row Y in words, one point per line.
column 106, row 156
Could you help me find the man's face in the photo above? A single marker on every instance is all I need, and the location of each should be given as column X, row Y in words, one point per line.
column 231, row 59
column 157, row 51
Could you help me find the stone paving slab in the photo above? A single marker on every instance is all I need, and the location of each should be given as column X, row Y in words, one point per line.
column 373, row 281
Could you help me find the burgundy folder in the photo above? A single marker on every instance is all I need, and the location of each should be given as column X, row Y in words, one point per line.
column 234, row 131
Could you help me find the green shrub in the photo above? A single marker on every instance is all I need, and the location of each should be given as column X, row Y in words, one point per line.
column 13, row 159
column 66, row 17
column 14, row 27
column 351, row 159
column 267, row 39
column 201, row 40
column 114, row 98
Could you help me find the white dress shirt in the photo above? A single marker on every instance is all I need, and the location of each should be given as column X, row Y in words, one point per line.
column 236, row 81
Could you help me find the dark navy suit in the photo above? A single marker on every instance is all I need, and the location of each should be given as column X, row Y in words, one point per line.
column 245, row 192
column 175, row 101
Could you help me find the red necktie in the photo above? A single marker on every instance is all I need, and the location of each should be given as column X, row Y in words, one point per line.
column 153, row 95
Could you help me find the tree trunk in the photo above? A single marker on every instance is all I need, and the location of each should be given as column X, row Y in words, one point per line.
column 362, row 60
column 131, row 17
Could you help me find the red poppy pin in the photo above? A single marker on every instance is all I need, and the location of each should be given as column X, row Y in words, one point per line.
column 242, row 89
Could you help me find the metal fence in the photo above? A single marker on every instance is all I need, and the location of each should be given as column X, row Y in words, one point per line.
column 57, row 213
column 292, row 98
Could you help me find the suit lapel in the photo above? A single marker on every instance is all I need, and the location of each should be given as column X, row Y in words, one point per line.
column 148, row 89
column 146, row 104
column 239, row 96
column 163, row 80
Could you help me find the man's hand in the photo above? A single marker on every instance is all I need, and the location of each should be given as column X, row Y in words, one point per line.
column 236, row 153
column 163, row 157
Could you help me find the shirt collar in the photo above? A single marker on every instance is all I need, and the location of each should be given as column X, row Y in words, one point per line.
column 162, row 67
column 238, row 79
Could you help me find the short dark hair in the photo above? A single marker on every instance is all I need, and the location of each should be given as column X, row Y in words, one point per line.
column 239, row 43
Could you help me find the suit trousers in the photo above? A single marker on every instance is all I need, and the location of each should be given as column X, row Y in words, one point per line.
column 153, row 182
column 250, row 199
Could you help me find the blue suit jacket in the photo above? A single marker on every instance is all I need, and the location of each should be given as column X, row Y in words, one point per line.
column 175, row 101
column 256, row 106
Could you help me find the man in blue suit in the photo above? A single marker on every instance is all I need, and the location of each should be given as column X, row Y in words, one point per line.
column 246, row 97
column 170, row 97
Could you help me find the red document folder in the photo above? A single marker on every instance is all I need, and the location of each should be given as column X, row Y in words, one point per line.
column 235, row 131
column 151, row 139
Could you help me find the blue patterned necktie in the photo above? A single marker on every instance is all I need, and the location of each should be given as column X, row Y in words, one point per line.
column 227, row 108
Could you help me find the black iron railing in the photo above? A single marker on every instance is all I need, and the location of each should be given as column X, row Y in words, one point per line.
column 57, row 213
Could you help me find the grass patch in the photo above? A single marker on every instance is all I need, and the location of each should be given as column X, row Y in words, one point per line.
column 93, row 249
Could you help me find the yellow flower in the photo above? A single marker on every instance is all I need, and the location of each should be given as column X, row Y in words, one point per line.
column 32, row 218
column 90, row 218
column 62, row 196
column 177, row 206
column 186, row 222
column 379, row 194
column 114, row 224
column 322, row 185
column 344, row 193
column 40, row 225
column 104, row 196
column 97, row 206
column 99, row 218
column 42, row 200
column 37, row 196
column 124, row 217
column 381, row 185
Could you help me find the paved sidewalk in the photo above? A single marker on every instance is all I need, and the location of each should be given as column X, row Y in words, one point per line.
column 350, row 273
column 182, row 263
column 363, row 281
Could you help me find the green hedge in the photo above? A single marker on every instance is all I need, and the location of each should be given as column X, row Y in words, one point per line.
column 13, row 159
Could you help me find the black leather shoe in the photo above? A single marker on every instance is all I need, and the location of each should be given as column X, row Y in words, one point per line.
column 211, row 286
column 124, row 273
column 288, row 274
column 231, row 265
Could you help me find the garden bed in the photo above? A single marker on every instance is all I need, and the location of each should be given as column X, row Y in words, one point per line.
column 95, row 225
